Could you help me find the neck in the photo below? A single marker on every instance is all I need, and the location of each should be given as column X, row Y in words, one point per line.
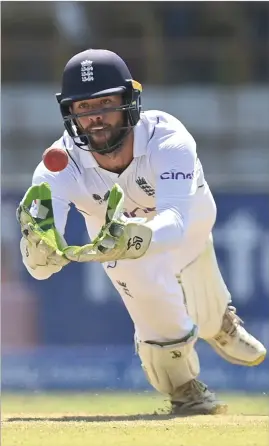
column 118, row 160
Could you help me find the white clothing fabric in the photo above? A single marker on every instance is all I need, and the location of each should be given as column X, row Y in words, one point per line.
column 164, row 183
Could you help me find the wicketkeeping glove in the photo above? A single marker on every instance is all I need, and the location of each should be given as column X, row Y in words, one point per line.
column 41, row 243
column 119, row 238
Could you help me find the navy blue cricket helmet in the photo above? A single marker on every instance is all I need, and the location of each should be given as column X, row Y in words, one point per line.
column 92, row 74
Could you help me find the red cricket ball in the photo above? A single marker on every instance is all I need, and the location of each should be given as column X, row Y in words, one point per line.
column 55, row 159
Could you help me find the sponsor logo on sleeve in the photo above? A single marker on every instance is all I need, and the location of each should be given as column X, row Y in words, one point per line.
column 174, row 174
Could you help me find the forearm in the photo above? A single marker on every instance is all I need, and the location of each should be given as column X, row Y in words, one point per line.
column 167, row 230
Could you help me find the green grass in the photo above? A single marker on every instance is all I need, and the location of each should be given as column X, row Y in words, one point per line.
column 114, row 419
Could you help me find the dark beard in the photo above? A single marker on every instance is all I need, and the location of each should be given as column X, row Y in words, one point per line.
column 115, row 133
column 115, row 140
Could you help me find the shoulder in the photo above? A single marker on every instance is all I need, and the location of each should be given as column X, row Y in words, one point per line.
column 167, row 132
column 171, row 143
column 171, row 150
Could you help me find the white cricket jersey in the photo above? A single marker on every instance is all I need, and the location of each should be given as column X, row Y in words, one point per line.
column 164, row 183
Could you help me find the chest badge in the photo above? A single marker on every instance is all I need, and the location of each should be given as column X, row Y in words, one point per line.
column 142, row 183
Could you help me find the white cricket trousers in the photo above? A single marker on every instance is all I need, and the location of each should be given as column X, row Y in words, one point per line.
column 167, row 293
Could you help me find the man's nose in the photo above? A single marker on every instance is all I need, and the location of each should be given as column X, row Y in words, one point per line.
column 96, row 119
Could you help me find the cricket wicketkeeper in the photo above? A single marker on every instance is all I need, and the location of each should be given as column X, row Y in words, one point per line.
column 136, row 179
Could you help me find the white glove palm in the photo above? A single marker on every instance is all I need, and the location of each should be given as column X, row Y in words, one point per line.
column 38, row 253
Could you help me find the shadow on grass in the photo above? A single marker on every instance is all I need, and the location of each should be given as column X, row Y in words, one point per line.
column 95, row 418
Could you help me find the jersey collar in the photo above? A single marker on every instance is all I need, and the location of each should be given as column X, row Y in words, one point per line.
column 142, row 132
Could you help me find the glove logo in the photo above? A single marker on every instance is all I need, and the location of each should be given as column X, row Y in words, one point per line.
column 136, row 242
column 176, row 354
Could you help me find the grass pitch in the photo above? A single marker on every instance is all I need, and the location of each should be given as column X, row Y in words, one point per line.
column 128, row 419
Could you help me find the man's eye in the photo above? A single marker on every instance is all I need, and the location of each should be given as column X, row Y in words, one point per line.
column 84, row 106
column 106, row 101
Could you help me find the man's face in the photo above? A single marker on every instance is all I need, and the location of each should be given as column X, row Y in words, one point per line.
column 102, row 129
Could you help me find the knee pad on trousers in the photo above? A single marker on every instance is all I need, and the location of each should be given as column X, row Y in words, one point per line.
column 169, row 365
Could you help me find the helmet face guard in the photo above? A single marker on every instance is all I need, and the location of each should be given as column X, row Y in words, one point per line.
column 131, row 108
column 95, row 74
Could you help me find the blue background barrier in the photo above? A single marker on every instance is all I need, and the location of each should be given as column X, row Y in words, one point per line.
column 85, row 335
